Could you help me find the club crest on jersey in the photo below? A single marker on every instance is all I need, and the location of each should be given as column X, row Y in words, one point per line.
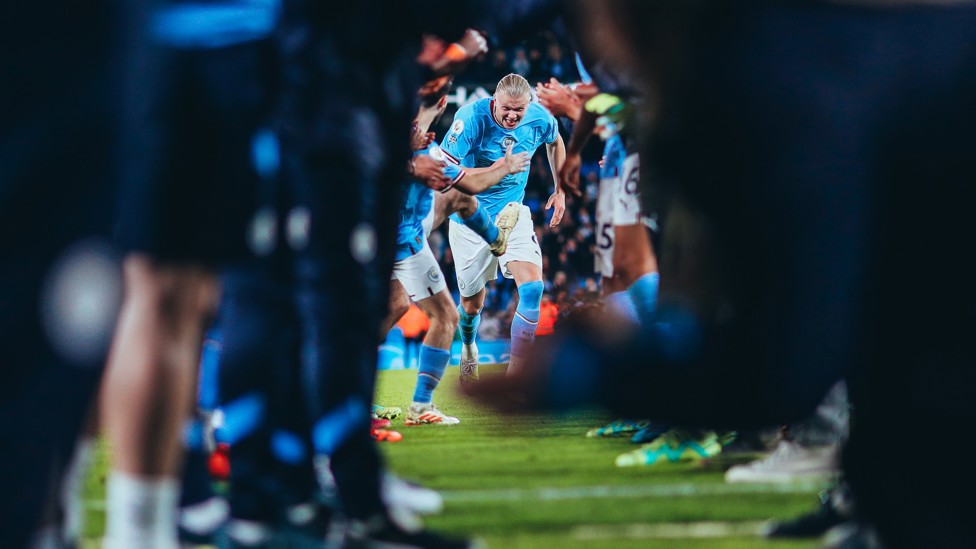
column 458, row 127
column 509, row 140
column 434, row 274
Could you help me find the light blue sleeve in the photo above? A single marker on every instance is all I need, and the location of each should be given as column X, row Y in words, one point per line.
column 463, row 136
column 551, row 132
column 451, row 170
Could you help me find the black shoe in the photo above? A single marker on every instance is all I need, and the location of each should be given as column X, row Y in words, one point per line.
column 852, row 535
column 383, row 532
column 811, row 525
column 309, row 526
column 230, row 536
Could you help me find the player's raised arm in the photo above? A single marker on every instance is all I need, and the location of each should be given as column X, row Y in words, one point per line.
column 477, row 180
column 568, row 174
column 556, row 151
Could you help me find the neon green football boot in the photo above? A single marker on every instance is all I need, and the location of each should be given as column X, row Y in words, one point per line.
column 618, row 428
column 675, row 446
column 386, row 412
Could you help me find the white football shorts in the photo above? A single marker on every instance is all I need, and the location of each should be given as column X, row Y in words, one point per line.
column 428, row 221
column 420, row 274
column 476, row 265
column 617, row 204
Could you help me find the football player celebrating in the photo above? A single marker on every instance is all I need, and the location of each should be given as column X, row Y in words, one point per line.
column 481, row 133
column 415, row 271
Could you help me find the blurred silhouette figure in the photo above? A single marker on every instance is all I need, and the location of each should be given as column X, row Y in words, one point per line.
column 819, row 239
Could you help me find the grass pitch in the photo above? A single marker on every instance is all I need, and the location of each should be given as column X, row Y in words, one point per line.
column 535, row 481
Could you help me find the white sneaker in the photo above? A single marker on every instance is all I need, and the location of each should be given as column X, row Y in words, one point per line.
column 397, row 492
column 789, row 462
column 506, row 220
column 428, row 414
column 469, row 364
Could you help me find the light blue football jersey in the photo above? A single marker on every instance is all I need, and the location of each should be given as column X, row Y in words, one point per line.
column 418, row 199
column 476, row 140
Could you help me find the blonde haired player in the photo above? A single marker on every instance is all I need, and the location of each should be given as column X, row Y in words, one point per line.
column 481, row 133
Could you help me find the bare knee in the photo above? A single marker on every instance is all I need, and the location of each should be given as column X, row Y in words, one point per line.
column 450, row 316
column 399, row 308
column 467, row 205
column 179, row 297
column 471, row 307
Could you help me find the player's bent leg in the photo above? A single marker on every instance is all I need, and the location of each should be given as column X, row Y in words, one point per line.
column 633, row 255
column 635, row 266
column 619, row 301
column 434, row 356
column 148, row 393
column 476, row 266
column 469, row 318
column 399, row 305
column 505, row 223
column 479, row 220
column 446, row 204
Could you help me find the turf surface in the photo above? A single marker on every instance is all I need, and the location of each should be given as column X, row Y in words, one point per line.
column 536, row 481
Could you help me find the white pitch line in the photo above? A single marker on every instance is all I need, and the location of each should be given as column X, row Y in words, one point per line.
column 603, row 491
column 626, row 491
column 670, row 530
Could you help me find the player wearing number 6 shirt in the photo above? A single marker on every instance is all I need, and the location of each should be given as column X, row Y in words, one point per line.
column 480, row 135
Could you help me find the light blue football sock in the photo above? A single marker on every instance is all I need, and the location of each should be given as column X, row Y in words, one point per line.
column 623, row 304
column 526, row 318
column 644, row 294
column 433, row 362
column 468, row 325
column 481, row 223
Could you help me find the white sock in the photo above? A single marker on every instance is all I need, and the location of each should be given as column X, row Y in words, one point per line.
column 204, row 517
column 301, row 514
column 73, row 487
column 141, row 511
column 323, row 472
column 247, row 532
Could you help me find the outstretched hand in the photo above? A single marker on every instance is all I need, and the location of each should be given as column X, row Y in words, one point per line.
column 558, row 202
column 472, row 45
column 559, row 99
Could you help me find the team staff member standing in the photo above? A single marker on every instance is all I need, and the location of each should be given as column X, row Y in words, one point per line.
column 480, row 135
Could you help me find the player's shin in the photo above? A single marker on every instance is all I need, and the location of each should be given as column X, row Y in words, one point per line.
column 525, row 322
column 480, row 223
column 433, row 362
column 468, row 325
